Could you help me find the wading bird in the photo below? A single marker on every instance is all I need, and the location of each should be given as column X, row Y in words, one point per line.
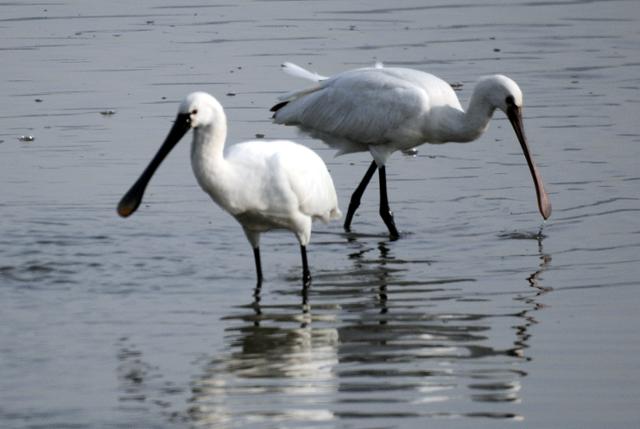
column 264, row 185
column 382, row 110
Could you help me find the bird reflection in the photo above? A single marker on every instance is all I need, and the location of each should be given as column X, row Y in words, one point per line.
column 432, row 345
column 375, row 341
column 257, row 308
column 279, row 367
column 381, row 272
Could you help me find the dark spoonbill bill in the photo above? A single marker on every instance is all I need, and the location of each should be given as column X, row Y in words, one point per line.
column 382, row 110
column 264, row 185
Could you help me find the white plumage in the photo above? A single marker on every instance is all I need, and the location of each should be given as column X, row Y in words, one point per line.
column 264, row 185
column 383, row 110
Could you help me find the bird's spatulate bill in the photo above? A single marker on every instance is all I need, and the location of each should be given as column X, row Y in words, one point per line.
column 544, row 205
column 132, row 199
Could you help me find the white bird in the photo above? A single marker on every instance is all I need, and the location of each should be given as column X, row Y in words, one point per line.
column 264, row 185
column 383, row 110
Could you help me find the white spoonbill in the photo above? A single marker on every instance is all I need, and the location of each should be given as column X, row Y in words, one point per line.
column 382, row 110
column 264, row 185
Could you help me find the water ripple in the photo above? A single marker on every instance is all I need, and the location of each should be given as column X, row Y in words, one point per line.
column 380, row 356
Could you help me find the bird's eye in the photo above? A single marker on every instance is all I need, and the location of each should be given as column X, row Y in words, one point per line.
column 194, row 112
column 510, row 100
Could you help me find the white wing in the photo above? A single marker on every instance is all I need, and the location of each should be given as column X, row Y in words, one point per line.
column 310, row 181
column 279, row 178
column 357, row 108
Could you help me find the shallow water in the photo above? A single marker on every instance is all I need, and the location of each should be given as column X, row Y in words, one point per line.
column 479, row 316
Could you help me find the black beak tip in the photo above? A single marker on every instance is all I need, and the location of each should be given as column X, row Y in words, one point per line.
column 124, row 211
column 128, row 206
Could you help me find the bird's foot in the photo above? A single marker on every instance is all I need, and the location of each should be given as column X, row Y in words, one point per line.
column 387, row 217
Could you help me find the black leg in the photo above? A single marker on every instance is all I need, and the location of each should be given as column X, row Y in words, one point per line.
column 385, row 211
column 306, row 275
column 357, row 195
column 256, row 256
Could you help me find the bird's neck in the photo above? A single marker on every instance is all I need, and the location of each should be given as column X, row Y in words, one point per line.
column 207, row 153
column 470, row 124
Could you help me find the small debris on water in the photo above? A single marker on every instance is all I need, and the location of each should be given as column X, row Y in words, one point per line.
column 38, row 100
column 231, row 94
column 108, row 112
column 26, row 138
column 496, row 49
column 259, row 136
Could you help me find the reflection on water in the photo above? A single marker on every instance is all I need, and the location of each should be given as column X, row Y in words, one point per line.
column 279, row 368
column 104, row 324
column 370, row 344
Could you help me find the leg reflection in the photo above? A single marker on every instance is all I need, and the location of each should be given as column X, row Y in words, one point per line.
column 256, row 304
column 382, row 276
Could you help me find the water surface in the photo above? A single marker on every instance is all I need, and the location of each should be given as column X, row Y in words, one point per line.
column 479, row 316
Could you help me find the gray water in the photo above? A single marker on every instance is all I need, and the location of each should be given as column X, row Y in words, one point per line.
column 479, row 316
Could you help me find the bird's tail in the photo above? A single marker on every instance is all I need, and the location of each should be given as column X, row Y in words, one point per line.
column 297, row 71
column 335, row 213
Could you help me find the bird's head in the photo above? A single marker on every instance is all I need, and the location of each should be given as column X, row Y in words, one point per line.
column 500, row 92
column 197, row 110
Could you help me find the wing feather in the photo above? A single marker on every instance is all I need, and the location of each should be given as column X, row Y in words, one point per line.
column 365, row 106
column 297, row 71
column 310, row 181
column 281, row 177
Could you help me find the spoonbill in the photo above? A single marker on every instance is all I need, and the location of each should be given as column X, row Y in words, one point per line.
column 264, row 185
column 382, row 110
